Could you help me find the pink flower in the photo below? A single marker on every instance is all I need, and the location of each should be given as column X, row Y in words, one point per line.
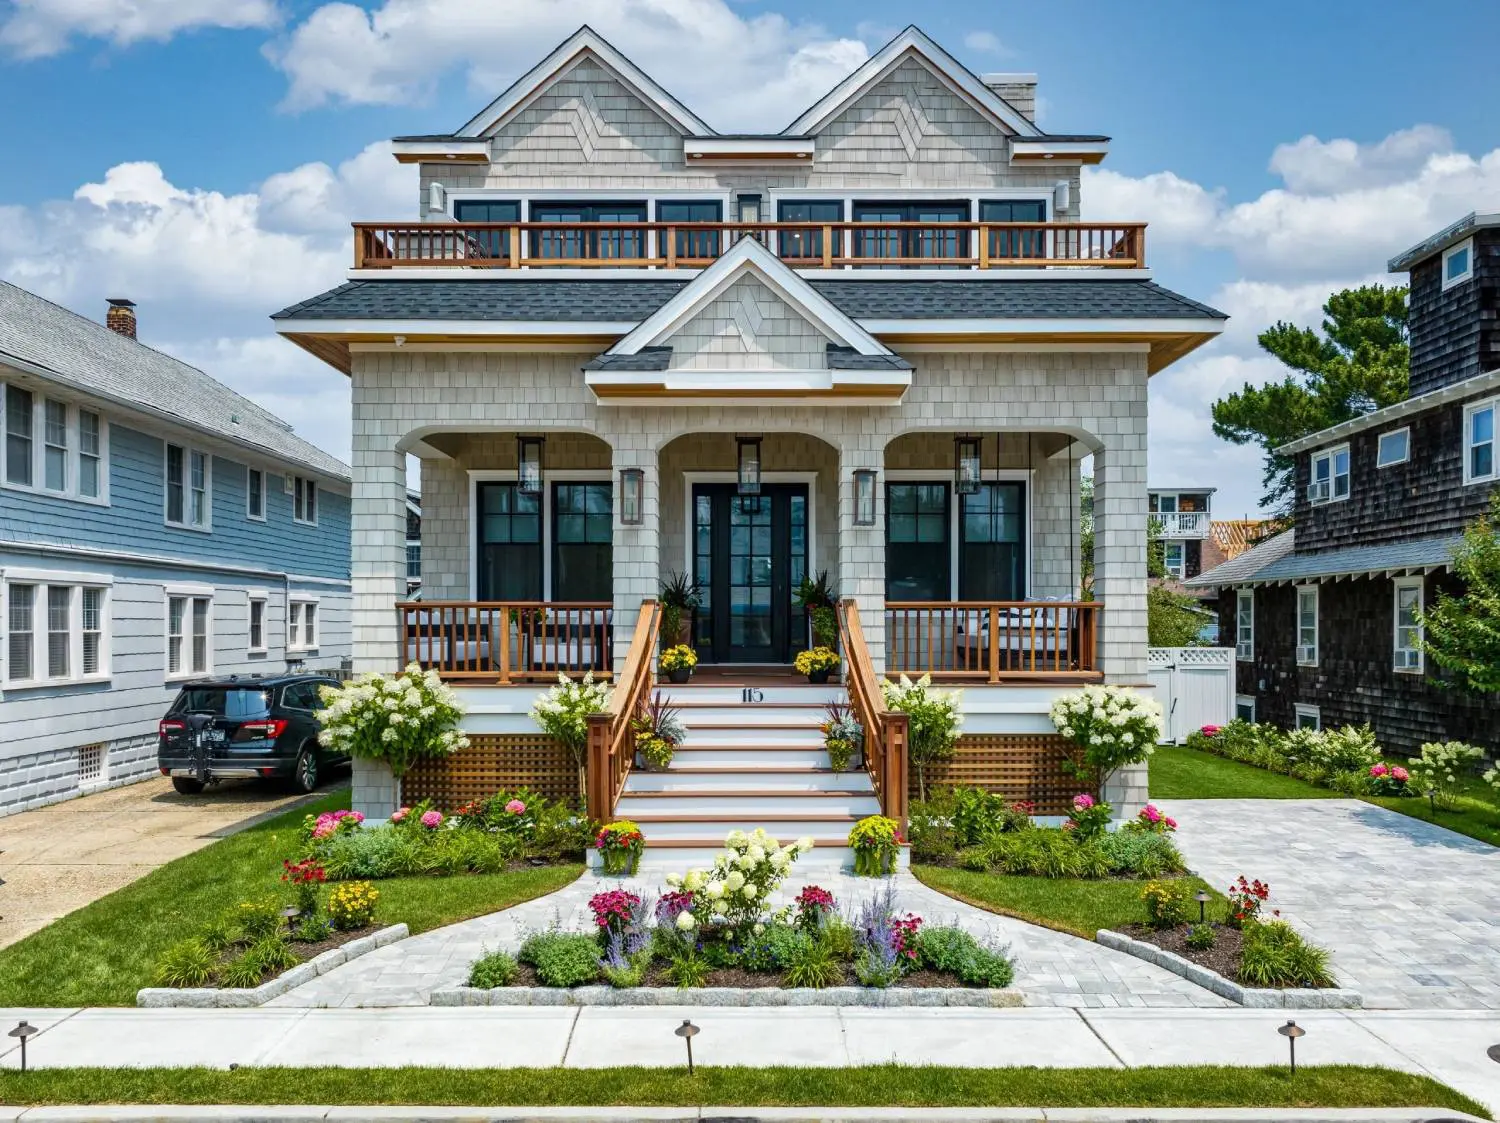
column 400, row 815
column 432, row 819
column 1378, row 770
column 1209, row 730
column 1083, row 801
column 516, row 807
column 1400, row 775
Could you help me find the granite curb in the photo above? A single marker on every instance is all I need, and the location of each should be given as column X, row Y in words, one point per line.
column 239, row 998
column 998, row 998
column 1327, row 998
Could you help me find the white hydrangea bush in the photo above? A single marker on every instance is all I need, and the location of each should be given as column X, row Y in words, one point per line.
column 1112, row 725
column 734, row 895
column 395, row 719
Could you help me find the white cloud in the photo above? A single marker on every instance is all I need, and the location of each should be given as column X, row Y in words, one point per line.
column 1315, row 166
column 36, row 28
column 745, row 72
column 986, row 42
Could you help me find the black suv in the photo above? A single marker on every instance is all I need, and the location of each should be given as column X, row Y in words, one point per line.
column 245, row 726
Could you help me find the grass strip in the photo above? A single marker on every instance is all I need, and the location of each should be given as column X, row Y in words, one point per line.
column 101, row 954
column 873, row 1086
column 1067, row 904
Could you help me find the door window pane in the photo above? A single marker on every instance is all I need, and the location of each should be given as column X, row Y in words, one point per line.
column 486, row 243
column 992, row 545
column 18, row 427
column 692, row 243
column 583, row 548
column 510, row 544
column 936, row 240
column 1015, row 243
column 918, row 554
column 611, row 241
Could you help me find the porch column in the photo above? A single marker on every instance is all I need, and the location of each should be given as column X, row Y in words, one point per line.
column 862, row 548
column 1120, row 580
column 637, row 549
column 377, row 525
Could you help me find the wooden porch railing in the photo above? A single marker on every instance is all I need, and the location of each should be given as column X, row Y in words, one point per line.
column 693, row 245
column 503, row 642
column 993, row 641
column 611, row 735
column 886, row 732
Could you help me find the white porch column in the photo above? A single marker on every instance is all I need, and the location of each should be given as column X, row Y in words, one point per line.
column 637, row 549
column 377, row 524
column 1120, row 579
column 862, row 548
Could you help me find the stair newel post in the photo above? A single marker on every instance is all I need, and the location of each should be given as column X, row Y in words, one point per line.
column 596, row 780
column 897, row 728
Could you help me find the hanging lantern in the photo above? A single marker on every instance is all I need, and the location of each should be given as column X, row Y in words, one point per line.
column 529, row 465
column 966, row 466
column 749, row 465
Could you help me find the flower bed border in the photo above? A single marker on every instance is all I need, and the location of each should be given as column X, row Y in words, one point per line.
column 1257, row 998
column 597, row 995
column 242, row 997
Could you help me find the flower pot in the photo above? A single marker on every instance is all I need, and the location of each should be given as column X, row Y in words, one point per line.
column 873, row 863
column 821, row 676
column 679, row 675
column 622, row 862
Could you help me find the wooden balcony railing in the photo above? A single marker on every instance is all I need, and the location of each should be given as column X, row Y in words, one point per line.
column 611, row 736
column 993, row 642
column 693, row 245
column 887, row 733
column 503, row 642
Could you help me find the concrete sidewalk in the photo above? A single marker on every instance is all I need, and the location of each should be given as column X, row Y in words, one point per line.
column 1448, row 1045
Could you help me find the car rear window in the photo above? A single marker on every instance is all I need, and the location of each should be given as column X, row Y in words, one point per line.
column 223, row 701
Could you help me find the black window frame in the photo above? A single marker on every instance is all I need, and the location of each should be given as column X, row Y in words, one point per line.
column 971, row 584
column 488, row 243
column 611, row 242
column 693, row 243
column 894, row 510
column 482, row 586
column 602, row 567
column 1015, row 243
column 806, row 245
column 910, row 241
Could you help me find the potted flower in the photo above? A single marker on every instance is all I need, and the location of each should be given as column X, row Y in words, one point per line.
column 678, row 662
column 679, row 600
column 876, row 841
column 818, row 600
column 658, row 732
column 843, row 736
column 817, row 664
column 620, row 844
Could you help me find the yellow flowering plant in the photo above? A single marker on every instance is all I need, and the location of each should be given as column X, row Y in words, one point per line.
column 351, row 905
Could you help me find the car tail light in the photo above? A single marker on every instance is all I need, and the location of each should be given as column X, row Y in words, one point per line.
column 260, row 730
column 165, row 727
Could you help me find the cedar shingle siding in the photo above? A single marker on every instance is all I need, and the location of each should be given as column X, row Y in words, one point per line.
column 1456, row 334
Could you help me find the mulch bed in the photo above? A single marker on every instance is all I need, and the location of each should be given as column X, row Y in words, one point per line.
column 301, row 948
column 738, row 977
column 1223, row 958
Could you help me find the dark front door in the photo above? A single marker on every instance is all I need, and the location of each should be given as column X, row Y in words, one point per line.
column 749, row 554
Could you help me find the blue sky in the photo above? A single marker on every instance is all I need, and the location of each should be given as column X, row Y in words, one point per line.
column 204, row 156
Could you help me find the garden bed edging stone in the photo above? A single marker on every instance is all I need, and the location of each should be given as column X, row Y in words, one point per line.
column 1001, row 997
column 243, row 997
column 1256, row 998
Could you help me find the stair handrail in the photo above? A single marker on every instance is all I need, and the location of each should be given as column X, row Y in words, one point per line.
column 887, row 732
column 611, row 734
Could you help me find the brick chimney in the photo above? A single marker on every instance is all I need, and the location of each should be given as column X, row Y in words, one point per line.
column 121, row 316
column 1018, row 89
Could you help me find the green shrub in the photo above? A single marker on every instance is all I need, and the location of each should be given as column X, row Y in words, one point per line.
column 313, row 929
column 1035, row 853
column 1275, row 955
column 242, row 972
column 872, row 969
column 1141, row 854
column 687, row 969
column 1092, row 860
column 812, row 964
column 1311, row 773
column 1439, row 772
column 563, row 959
column 955, row 952
column 493, row 969
column 976, row 815
column 1201, row 937
column 259, row 919
column 771, row 950
column 273, row 954
column 188, row 964
column 217, row 935
column 838, row 936
column 930, row 829
column 1166, row 903
column 974, row 858
column 1351, row 748
column 1350, row 783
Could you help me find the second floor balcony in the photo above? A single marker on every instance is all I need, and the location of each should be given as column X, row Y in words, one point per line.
column 695, row 245
column 1182, row 524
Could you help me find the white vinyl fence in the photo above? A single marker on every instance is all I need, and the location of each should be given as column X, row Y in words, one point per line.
column 1195, row 685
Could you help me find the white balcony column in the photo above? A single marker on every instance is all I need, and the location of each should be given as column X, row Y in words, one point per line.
column 637, row 549
column 862, row 548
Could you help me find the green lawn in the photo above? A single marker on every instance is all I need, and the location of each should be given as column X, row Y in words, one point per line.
column 106, row 951
column 1067, row 904
column 882, row 1086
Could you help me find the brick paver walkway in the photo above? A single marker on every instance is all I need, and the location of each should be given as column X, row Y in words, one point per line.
column 1406, row 908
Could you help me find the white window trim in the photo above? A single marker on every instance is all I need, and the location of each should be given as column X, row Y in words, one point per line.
column 1400, row 583
column 1330, row 455
column 263, row 598
column 1468, row 273
column 1302, row 710
column 187, row 487
column 1468, row 446
column 1391, row 433
column 1244, row 650
column 192, row 592
column 1166, row 548
column 40, row 579
column 39, row 399
column 303, row 599
column 306, row 482
column 264, row 497
column 1317, row 643
column 1244, row 700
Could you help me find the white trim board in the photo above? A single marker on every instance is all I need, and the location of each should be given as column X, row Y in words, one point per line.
column 838, row 272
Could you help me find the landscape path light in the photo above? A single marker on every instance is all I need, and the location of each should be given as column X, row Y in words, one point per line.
column 23, row 1030
column 290, row 915
column 1202, row 898
column 687, row 1031
column 1291, row 1031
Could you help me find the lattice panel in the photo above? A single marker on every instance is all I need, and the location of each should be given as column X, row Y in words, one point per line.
column 493, row 762
column 1019, row 766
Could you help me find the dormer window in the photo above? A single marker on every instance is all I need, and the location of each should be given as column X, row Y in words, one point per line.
column 1330, row 475
column 1458, row 263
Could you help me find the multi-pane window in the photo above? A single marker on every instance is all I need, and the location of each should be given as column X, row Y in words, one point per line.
column 56, row 632
column 90, row 453
column 255, row 494
column 198, row 487
column 1308, row 717
column 992, row 543
column 612, row 239
column 176, row 488
column 509, row 537
column 583, row 542
column 701, row 244
column 800, row 244
column 302, row 625
column 1307, row 626
column 257, row 624
column 1244, row 625
column 484, row 243
column 59, row 619
column 1408, row 650
column 936, row 238
column 55, row 447
column 918, row 542
column 413, row 561
column 1015, row 243
column 188, row 486
column 1330, row 475
column 187, row 635
column 92, row 629
column 1479, row 441
column 21, row 649
column 18, row 439
column 304, row 500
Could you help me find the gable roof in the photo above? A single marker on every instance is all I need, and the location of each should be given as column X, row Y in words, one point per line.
column 59, row 346
column 1244, row 567
column 584, row 41
column 913, row 42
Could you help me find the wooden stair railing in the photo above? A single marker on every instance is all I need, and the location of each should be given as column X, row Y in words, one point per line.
column 887, row 732
column 611, row 735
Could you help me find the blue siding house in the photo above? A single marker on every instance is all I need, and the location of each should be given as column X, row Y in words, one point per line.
column 155, row 527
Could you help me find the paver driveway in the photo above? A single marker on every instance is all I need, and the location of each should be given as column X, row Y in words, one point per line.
column 60, row 857
column 1406, row 908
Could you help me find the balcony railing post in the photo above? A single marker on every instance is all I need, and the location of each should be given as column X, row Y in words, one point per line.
column 994, row 643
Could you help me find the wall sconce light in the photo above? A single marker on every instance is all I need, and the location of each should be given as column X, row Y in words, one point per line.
column 632, row 496
column 864, row 497
column 749, row 465
column 529, row 465
column 966, row 464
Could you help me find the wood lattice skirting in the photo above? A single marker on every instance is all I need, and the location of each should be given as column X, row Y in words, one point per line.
column 1019, row 766
column 493, row 762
